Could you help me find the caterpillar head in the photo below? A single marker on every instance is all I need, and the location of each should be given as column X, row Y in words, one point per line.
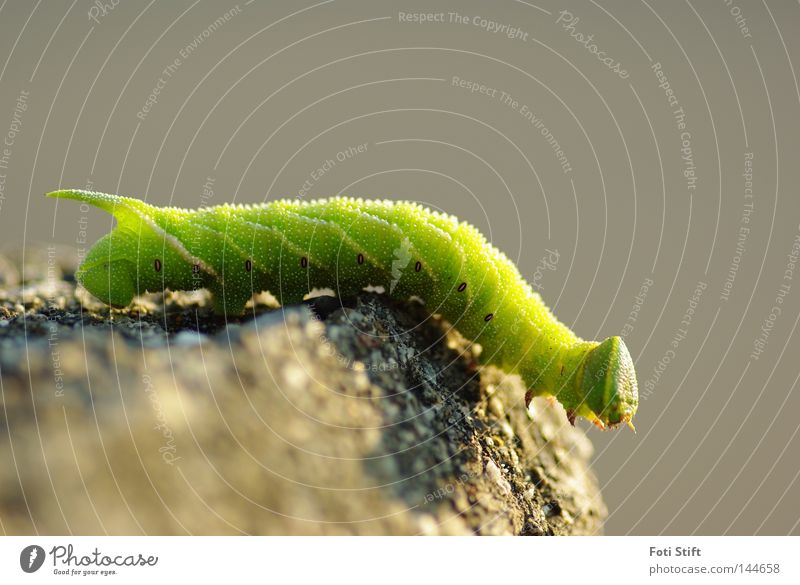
column 107, row 274
column 608, row 385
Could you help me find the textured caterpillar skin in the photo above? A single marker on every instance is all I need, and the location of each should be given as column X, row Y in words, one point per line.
column 292, row 247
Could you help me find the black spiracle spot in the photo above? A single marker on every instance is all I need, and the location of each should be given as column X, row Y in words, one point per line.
column 462, row 287
column 157, row 265
column 488, row 317
column 248, row 265
column 360, row 258
column 418, row 266
column 303, row 262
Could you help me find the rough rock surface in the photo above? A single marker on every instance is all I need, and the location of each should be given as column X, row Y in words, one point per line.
column 370, row 418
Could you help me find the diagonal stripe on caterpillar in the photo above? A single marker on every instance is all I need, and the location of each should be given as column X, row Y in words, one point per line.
column 291, row 247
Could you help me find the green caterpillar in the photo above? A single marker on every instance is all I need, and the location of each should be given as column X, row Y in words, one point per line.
column 292, row 247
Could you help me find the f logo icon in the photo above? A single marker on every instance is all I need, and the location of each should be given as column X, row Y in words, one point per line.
column 31, row 558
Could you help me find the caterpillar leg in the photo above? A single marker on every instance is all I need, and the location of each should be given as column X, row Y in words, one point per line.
column 531, row 394
column 528, row 398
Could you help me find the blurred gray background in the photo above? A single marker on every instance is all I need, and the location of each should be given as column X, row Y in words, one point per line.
column 673, row 215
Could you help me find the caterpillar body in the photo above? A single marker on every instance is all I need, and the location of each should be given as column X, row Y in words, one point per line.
column 290, row 248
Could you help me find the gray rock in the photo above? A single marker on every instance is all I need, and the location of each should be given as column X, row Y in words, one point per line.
column 314, row 419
